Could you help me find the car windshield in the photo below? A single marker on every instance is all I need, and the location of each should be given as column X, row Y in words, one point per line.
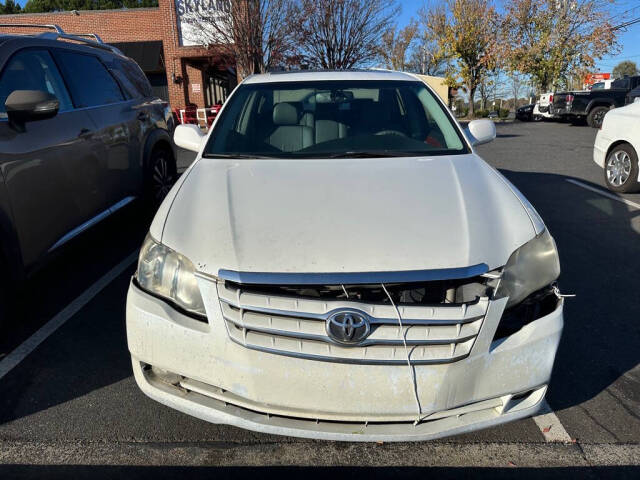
column 333, row 119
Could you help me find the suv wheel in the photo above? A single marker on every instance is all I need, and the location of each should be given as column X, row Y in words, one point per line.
column 160, row 176
column 621, row 169
column 596, row 116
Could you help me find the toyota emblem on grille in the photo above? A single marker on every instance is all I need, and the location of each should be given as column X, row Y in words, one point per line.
column 348, row 327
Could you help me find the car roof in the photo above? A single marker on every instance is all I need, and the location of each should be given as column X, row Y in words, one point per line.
column 327, row 75
column 61, row 41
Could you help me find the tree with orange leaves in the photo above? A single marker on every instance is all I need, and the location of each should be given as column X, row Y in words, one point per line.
column 467, row 32
column 550, row 40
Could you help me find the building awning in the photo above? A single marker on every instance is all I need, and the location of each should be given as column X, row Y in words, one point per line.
column 146, row 54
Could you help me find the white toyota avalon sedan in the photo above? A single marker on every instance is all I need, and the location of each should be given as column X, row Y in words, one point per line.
column 339, row 263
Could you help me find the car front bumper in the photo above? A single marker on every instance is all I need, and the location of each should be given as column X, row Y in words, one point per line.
column 600, row 148
column 195, row 368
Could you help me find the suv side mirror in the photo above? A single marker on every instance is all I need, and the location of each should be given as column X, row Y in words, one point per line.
column 27, row 105
column 480, row 131
column 189, row 137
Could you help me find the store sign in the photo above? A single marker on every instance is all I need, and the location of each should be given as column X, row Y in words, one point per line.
column 592, row 78
column 200, row 21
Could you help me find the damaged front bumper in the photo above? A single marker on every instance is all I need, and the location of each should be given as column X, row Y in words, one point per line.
column 194, row 367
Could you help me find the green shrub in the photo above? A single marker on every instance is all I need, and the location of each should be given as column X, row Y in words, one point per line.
column 503, row 112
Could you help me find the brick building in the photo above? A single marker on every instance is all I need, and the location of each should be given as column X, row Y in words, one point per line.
column 182, row 74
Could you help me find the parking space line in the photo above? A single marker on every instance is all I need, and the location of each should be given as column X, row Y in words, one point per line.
column 604, row 193
column 550, row 425
column 30, row 344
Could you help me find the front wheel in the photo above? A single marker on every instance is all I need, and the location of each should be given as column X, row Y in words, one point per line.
column 596, row 116
column 161, row 174
column 621, row 169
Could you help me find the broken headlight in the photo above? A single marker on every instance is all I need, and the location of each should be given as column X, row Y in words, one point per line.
column 531, row 267
column 170, row 276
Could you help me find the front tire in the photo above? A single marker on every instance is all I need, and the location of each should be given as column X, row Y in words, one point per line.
column 596, row 116
column 160, row 175
column 621, row 169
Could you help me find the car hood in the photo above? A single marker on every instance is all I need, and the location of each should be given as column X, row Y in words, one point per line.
column 343, row 215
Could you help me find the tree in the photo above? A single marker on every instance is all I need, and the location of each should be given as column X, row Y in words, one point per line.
column 41, row 6
column 465, row 31
column 424, row 59
column 395, row 45
column 625, row 68
column 426, row 56
column 551, row 39
column 257, row 34
column 487, row 88
column 516, row 82
column 10, row 7
column 339, row 34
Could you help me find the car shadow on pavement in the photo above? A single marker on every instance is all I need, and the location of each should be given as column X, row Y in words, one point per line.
column 599, row 245
column 310, row 473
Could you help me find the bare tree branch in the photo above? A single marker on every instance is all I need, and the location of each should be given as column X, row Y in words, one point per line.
column 257, row 34
column 340, row 34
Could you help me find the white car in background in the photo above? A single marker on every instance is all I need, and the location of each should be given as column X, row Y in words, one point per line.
column 616, row 148
column 541, row 109
column 339, row 263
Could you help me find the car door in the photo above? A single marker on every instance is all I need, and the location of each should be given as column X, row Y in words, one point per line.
column 42, row 160
column 97, row 91
column 143, row 113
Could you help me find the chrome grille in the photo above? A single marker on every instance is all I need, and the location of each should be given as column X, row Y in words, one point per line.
column 296, row 326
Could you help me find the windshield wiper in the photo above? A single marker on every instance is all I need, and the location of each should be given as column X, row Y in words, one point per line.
column 236, row 155
column 371, row 154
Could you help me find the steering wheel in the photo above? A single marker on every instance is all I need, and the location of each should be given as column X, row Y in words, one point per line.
column 391, row 132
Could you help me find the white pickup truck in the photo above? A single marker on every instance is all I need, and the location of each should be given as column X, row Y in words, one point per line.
column 541, row 109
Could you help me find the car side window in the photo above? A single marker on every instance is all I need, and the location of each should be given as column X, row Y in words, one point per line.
column 33, row 70
column 90, row 82
column 136, row 77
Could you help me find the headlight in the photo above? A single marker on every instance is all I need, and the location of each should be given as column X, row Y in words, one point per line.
column 169, row 275
column 530, row 268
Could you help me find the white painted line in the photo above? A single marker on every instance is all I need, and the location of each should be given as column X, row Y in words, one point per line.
column 604, row 193
column 31, row 343
column 550, row 425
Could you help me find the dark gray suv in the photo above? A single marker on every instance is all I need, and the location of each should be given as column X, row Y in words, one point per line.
column 81, row 136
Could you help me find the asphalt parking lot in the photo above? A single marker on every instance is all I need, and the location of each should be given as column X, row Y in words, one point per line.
column 70, row 408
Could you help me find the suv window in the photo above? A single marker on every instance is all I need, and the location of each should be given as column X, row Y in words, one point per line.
column 136, row 77
column 33, row 70
column 90, row 82
column 621, row 83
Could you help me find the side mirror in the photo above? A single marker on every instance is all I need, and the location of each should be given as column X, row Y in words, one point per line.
column 189, row 137
column 480, row 131
column 29, row 105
